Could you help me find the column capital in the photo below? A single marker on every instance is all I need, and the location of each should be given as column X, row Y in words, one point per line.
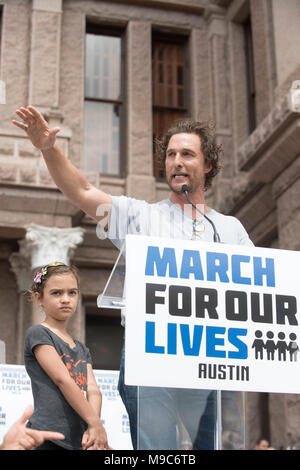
column 215, row 17
column 48, row 244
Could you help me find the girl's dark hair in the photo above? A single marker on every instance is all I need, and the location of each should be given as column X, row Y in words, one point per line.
column 211, row 150
column 43, row 274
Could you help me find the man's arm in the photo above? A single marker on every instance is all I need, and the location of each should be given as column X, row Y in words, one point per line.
column 18, row 437
column 66, row 176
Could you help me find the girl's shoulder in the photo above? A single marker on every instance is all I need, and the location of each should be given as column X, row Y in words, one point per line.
column 38, row 333
column 35, row 329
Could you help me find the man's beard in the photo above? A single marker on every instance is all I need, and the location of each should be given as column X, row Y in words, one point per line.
column 175, row 190
column 178, row 190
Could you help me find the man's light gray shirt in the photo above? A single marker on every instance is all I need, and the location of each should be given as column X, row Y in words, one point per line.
column 165, row 219
column 168, row 220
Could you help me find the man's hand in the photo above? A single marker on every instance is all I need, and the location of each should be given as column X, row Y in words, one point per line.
column 19, row 437
column 36, row 127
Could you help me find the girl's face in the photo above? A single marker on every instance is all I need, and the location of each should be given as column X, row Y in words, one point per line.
column 60, row 296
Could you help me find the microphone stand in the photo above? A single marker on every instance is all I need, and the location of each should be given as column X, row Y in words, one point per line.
column 185, row 190
column 218, row 437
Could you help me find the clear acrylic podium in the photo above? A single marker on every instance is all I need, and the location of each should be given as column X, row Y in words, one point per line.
column 188, row 419
column 179, row 418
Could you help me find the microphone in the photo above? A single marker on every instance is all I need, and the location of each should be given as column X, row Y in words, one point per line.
column 185, row 190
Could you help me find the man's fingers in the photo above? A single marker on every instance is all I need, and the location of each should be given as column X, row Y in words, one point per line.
column 21, row 114
column 26, row 444
column 41, row 436
column 27, row 113
column 55, row 131
column 34, row 112
column 26, row 415
column 26, row 116
column 19, row 124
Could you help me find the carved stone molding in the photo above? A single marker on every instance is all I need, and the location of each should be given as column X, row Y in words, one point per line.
column 48, row 244
column 221, row 3
column 287, row 109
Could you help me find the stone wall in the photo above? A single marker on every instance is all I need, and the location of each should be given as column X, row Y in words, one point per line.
column 42, row 63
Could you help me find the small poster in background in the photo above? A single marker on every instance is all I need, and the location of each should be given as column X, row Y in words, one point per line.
column 16, row 395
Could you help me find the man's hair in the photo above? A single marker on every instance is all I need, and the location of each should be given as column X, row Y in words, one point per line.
column 210, row 149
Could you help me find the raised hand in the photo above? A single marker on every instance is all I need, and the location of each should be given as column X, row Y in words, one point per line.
column 36, row 127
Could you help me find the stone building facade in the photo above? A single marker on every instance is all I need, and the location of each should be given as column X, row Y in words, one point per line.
column 237, row 64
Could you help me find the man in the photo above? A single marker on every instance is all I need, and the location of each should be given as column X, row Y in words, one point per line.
column 190, row 157
column 262, row 444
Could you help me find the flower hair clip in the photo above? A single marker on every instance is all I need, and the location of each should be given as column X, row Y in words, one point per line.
column 43, row 271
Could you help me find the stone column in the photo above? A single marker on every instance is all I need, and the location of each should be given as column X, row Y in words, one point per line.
column 220, row 88
column 45, row 53
column 264, row 55
column 140, row 181
column 21, row 266
column 220, row 76
column 200, row 77
column 44, row 71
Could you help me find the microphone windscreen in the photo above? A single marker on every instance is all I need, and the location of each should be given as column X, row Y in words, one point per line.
column 185, row 188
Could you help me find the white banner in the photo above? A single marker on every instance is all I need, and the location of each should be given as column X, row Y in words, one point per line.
column 211, row 316
column 15, row 395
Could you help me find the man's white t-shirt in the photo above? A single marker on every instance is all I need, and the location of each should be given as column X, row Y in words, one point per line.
column 168, row 220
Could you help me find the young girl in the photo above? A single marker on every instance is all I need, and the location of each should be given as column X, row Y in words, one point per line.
column 66, row 396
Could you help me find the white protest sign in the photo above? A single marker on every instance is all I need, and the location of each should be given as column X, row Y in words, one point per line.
column 114, row 415
column 16, row 395
column 211, row 316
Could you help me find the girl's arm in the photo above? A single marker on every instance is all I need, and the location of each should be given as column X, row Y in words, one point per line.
column 50, row 361
column 95, row 400
column 94, row 394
